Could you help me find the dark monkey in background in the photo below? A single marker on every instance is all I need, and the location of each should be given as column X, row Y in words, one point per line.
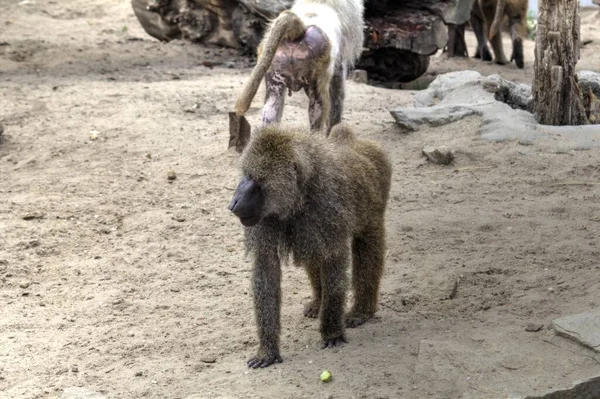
column 320, row 200
column 310, row 47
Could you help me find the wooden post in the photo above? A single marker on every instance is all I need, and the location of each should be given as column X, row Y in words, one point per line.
column 556, row 94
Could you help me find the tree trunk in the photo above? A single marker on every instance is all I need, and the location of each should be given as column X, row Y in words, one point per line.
column 556, row 94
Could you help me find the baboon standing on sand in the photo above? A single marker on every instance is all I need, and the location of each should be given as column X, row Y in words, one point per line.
column 321, row 201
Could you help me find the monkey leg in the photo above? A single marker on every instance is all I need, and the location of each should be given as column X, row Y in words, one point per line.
column 333, row 297
column 516, row 32
column 496, row 42
column 318, row 107
column 482, row 51
column 266, row 284
column 274, row 100
column 312, row 308
column 337, row 94
column 367, row 268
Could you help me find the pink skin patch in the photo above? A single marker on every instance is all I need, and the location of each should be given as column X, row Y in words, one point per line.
column 291, row 69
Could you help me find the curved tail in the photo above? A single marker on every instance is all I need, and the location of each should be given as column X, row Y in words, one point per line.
column 498, row 17
column 286, row 26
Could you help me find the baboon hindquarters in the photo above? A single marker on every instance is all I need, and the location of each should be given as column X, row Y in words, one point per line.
column 482, row 16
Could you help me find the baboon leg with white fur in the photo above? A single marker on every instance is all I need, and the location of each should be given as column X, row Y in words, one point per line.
column 274, row 100
column 319, row 106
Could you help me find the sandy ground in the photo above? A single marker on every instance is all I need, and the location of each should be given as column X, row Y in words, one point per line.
column 116, row 279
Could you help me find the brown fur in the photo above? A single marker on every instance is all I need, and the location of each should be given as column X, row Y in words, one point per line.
column 287, row 26
column 487, row 17
column 325, row 201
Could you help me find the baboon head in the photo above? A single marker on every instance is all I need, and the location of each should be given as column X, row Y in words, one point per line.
column 275, row 170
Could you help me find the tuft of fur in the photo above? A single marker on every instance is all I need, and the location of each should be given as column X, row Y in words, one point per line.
column 325, row 207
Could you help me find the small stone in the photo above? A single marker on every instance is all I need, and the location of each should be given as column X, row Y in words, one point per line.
column 33, row 216
column 441, row 155
column 74, row 369
column 359, row 76
column 179, row 218
column 139, row 374
column 94, row 135
column 25, row 284
column 171, row 175
column 533, row 327
column 208, row 359
column 326, row 376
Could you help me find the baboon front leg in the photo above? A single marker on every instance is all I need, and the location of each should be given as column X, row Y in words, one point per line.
column 333, row 297
column 266, row 284
column 274, row 99
column 318, row 107
column 337, row 94
column 496, row 42
column 516, row 32
column 482, row 51
column 312, row 308
column 367, row 267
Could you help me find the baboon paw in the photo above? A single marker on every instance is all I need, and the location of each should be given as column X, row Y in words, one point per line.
column 487, row 56
column 517, row 54
column 311, row 310
column 264, row 361
column 356, row 319
column 334, row 342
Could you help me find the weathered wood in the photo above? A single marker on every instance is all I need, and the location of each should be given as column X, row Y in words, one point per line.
column 557, row 96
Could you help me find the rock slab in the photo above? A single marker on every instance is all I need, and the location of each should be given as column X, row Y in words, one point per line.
column 583, row 328
column 588, row 389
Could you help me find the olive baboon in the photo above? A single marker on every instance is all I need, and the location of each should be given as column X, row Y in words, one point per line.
column 487, row 17
column 317, row 199
column 309, row 47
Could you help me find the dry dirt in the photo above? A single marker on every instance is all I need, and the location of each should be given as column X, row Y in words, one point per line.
column 114, row 278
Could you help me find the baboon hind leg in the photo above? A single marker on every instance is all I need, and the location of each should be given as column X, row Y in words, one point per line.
column 312, row 308
column 367, row 267
column 337, row 94
column 483, row 50
column 274, row 100
column 517, row 32
column 319, row 105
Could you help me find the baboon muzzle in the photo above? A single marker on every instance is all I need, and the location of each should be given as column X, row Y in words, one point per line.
column 248, row 202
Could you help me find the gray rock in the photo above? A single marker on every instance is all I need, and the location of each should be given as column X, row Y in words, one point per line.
column 81, row 393
column 456, row 95
column 590, row 79
column 1, row 128
column 517, row 96
column 583, row 328
column 588, row 389
column 439, row 155
column 432, row 116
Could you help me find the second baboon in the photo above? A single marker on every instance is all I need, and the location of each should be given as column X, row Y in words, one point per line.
column 309, row 47
column 487, row 17
column 321, row 201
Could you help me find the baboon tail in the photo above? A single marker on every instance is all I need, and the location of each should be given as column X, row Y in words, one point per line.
column 342, row 133
column 498, row 17
column 287, row 26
